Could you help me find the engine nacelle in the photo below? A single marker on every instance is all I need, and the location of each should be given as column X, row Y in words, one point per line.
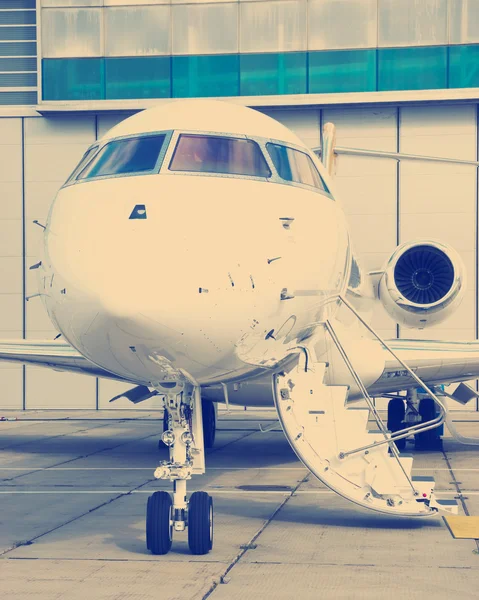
column 422, row 284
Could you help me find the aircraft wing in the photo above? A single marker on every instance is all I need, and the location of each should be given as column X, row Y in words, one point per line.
column 54, row 355
column 434, row 361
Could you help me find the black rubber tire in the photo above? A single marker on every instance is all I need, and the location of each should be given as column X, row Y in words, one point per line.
column 209, row 423
column 200, row 523
column 159, row 524
column 429, row 440
column 396, row 413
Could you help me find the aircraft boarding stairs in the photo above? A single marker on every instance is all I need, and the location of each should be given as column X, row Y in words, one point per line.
column 333, row 441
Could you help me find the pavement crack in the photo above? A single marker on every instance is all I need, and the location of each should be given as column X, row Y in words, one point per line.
column 251, row 544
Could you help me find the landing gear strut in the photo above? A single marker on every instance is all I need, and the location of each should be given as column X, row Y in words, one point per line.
column 184, row 437
column 209, row 424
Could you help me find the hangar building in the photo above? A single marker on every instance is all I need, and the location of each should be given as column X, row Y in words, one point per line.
column 393, row 75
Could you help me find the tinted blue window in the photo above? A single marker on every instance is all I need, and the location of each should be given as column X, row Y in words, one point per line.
column 296, row 166
column 200, row 76
column 73, row 79
column 412, row 68
column 342, row 71
column 463, row 66
column 138, row 77
column 268, row 74
column 131, row 155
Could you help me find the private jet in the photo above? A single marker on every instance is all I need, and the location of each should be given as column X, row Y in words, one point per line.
column 199, row 252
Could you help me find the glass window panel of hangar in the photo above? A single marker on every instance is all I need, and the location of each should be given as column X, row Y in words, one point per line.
column 412, row 23
column 330, row 24
column 273, row 26
column 72, row 32
column 463, row 21
column 204, row 28
column 137, row 30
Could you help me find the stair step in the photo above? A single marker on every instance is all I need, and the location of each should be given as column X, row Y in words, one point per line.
column 447, row 502
column 447, row 506
column 424, row 484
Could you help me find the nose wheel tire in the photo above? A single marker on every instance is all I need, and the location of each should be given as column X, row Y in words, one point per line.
column 159, row 523
column 200, row 523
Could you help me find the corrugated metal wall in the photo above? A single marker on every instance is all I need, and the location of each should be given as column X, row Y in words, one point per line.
column 385, row 203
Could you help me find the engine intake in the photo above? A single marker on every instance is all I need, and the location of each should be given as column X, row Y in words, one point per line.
column 422, row 283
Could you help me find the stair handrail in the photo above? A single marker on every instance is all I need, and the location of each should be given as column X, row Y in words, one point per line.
column 402, row 433
column 371, row 406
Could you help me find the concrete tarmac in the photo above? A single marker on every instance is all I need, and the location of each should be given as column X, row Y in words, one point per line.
column 73, row 492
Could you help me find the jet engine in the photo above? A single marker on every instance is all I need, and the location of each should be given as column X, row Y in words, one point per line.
column 422, row 284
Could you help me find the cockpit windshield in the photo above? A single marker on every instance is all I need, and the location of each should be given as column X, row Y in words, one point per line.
column 296, row 166
column 130, row 155
column 224, row 155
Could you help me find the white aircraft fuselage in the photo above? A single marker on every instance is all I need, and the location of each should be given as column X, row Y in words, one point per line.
column 224, row 276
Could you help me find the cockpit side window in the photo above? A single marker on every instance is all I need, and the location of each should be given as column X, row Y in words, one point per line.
column 129, row 155
column 223, row 155
column 84, row 161
column 296, row 166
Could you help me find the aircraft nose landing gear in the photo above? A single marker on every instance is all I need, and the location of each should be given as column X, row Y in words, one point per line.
column 165, row 514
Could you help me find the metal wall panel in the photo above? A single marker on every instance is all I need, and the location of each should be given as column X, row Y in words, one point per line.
column 132, row 2
column 11, row 382
column 18, row 98
column 55, row 390
column 18, row 49
column 11, row 261
column 11, row 312
column 137, row 31
column 24, row 63
column 273, row 26
column 11, row 275
column 18, row 80
column 17, row 4
column 18, row 33
column 438, row 201
column 304, row 122
column 107, row 121
column 463, row 21
column 18, row 17
column 412, row 22
column 205, row 28
column 72, row 32
column 329, row 24
column 367, row 188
